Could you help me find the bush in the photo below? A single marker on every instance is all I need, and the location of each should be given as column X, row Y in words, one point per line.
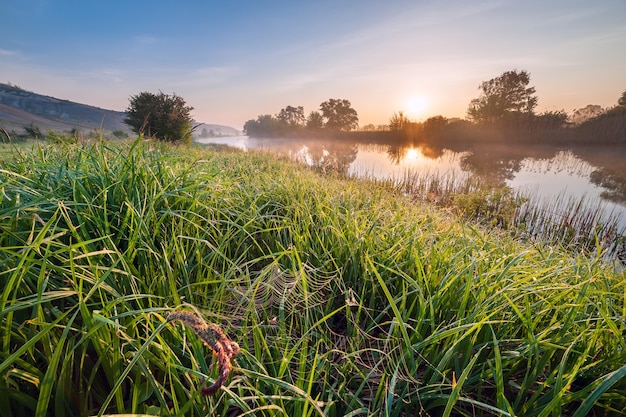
column 495, row 206
column 120, row 134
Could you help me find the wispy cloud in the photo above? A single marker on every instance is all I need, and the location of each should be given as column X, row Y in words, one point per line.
column 144, row 40
column 186, row 80
column 9, row 52
column 103, row 75
column 214, row 74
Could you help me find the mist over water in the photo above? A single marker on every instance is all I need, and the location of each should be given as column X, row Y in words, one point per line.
column 555, row 176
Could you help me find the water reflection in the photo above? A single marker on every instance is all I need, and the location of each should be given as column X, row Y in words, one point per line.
column 595, row 173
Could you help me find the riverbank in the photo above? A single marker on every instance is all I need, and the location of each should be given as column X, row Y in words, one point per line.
column 609, row 128
column 344, row 296
column 571, row 196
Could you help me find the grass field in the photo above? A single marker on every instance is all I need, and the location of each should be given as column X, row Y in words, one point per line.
column 346, row 298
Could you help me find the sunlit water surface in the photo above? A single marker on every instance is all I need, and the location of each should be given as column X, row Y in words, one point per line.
column 558, row 177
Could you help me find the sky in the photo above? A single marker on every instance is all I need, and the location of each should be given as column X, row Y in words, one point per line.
column 234, row 60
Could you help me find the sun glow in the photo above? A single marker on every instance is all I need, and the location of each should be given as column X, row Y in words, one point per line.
column 411, row 154
column 414, row 156
column 416, row 106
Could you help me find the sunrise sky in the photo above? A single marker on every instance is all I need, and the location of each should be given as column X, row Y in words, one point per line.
column 234, row 60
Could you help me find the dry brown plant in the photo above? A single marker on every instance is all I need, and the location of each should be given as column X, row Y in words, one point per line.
column 211, row 335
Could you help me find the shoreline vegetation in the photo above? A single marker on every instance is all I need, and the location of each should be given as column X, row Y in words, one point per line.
column 550, row 128
column 503, row 116
column 504, row 112
column 345, row 296
column 483, row 195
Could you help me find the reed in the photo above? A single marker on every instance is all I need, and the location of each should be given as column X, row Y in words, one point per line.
column 345, row 297
column 579, row 224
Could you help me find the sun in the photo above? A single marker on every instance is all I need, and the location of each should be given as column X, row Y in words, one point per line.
column 412, row 154
column 416, row 105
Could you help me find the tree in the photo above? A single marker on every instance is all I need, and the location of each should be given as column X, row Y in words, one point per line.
column 398, row 122
column 550, row 119
column 434, row 125
column 164, row 117
column 293, row 116
column 120, row 134
column 265, row 125
column 622, row 99
column 315, row 120
column 583, row 114
column 503, row 98
column 207, row 133
column 339, row 115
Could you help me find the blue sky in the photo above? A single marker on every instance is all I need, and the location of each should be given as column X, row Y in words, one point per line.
column 234, row 60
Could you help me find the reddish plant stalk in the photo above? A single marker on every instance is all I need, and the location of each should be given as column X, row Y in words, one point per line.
column 211, row 335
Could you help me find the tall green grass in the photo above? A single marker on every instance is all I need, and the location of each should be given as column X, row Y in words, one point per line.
column 346, row 297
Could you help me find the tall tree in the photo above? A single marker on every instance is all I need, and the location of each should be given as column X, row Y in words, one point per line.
column 293, row 116
column 435, row 124
column 164, row 117
column 339, row 114
column 398, row 122
column 504, row 97
column 315, row 120
column 265, row 125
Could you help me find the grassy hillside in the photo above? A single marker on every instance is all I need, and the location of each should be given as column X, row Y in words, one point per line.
column 345, row 297
column 19, row 108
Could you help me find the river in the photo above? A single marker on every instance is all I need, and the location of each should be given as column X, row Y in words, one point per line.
column 560, row 178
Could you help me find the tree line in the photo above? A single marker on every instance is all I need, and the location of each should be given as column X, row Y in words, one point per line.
column 333, row 115
column 506, row 106
column 505, row 102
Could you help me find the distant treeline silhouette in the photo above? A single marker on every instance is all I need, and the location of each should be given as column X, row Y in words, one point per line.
column 505, row 110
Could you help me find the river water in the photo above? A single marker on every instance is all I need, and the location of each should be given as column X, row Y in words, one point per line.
column 588, row 177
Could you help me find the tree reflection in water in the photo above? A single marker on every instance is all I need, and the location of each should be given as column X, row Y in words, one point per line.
column 431, row 168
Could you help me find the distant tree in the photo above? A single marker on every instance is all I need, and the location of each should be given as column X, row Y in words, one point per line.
column 608, row 126
column 120, row 134
column 435, row 124
column 622, row 100
column 398, row 122
column 292, row 116
column 162, row 116
column 265, row 125
column 583, row 114
column 339, row 115
column 504, row 98
column 315, row 120
column 250, row 127
column 33, row 131
column 550, row 119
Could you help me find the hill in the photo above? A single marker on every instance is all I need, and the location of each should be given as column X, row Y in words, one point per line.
column 20, row 108
column 205, row 130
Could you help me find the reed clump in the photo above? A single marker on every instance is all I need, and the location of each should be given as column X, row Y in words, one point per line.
column 345, row 297
column 580, row 224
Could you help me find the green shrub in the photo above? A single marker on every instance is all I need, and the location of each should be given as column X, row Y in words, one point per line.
column 495, row 206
